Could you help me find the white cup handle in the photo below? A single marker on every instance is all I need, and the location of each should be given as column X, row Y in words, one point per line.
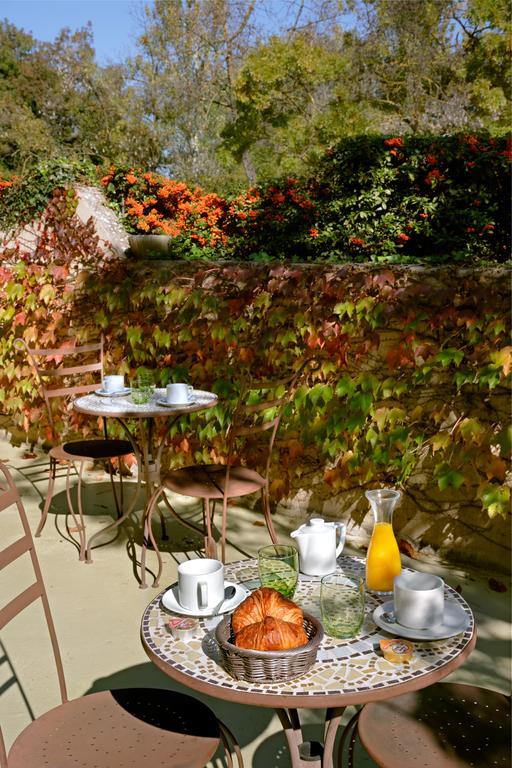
column 341, row 531
column 203, row 594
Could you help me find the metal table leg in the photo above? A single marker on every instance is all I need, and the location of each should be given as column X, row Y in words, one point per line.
column 310, row 754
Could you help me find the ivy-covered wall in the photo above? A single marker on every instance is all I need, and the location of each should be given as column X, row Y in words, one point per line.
column 408, row 382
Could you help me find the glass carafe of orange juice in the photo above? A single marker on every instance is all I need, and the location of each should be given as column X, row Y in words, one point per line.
column 383, row 558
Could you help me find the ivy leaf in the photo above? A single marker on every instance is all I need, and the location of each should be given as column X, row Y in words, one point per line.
column 463, row 377
column 134, row 335
column 47, row 294
column 503, row 358
column 362, row 402
column 448, row 477
column 504, row 440
column 371, row 437
column 495, row 499
column 388, row 387
column 472, row 431
column 440, row 441
column 320, row 392
column 449, row 355
column 345, row 387
column 344, row 308
column 162, row 338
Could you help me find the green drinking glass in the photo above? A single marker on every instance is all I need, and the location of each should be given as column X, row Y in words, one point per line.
column 342, row 604
column 144, row 387
column 278, row 566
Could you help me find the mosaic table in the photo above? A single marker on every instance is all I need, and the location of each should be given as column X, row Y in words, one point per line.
column 148, row 443
column 346, row 672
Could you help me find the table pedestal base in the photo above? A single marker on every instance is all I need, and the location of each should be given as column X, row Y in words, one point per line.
column 310, row 754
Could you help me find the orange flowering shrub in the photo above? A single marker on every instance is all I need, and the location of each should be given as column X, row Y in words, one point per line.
column 155, row 204
column 262, row 222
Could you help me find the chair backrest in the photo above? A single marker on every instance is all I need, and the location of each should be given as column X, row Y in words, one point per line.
column 59, row 371
column 259, row 410
column 9, row 497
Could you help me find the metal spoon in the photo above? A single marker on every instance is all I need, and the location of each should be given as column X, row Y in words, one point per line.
column 229, row 592
column 389, row 617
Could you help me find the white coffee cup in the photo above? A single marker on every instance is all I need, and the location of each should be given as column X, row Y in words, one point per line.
column 178, row 394
column 200, row 584
column 113, row 383
column 418, row 599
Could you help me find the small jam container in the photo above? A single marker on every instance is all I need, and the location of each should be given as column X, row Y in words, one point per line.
column 183, row 629
column 397, row 651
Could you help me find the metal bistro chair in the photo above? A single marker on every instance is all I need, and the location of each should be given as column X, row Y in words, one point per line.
column 255, row 421
column 68, row 366
column 143, row 727
column 447, row 725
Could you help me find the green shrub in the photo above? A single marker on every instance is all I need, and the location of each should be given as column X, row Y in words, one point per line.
column 415, row 199
column 27, row 197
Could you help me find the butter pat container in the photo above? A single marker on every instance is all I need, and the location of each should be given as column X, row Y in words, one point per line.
column 397, row 651
column 183, row 629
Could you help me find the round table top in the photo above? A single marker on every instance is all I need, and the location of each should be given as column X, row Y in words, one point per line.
column 346, row 672
column 123, row 407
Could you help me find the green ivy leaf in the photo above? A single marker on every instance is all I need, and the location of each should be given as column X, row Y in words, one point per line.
column 495, row 499
column 449, row 355
column 448, row 477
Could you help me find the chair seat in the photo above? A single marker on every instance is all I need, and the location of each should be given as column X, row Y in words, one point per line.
column 78, row 450
column 443, row 726
column 134, row 727
column 208, row 481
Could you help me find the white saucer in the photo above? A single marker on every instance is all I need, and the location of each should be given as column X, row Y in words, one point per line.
column 118, row 393
column 165, row 403
column 455, row 621
column 170, row 601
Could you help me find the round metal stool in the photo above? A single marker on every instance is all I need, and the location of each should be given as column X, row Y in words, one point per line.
column 443, row 726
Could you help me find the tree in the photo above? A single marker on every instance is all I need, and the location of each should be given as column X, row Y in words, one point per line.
column 422, row 64
column 183, row 75
column 292, row 101
column 55, row 101
column 24, row 134
column 487, row 32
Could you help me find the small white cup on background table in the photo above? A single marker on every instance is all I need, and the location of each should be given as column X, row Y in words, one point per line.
column 113, row 383
column 179, row 394
column 200, row 584
column 418, row 599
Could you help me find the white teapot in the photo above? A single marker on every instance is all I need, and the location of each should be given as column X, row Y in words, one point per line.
column 318, row 549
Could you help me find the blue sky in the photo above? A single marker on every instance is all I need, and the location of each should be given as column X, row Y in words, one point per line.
column 114, row 22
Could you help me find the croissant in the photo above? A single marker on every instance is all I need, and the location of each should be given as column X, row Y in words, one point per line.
column 271, row 634
column 265, row 602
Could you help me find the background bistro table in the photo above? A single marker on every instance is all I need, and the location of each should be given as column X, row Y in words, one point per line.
column 138, row 422
column 346, row 671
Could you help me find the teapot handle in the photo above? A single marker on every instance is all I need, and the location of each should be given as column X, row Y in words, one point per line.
column 341, row 532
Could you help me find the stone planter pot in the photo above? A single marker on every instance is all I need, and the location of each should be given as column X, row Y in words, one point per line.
column 150, row 246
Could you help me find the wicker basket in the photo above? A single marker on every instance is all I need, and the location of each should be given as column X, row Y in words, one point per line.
column 268, row 666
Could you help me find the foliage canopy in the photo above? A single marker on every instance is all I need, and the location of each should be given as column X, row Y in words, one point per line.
column 221, row 95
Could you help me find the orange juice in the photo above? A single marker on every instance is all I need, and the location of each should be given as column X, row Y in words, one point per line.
column 383, row 559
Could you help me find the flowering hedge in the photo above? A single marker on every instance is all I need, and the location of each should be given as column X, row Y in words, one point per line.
column 371, row 199
column 413, row 199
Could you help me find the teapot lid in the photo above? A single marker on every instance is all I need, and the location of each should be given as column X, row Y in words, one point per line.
column 317, row 523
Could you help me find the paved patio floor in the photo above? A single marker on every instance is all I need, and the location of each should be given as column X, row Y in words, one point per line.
column 97, row 610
